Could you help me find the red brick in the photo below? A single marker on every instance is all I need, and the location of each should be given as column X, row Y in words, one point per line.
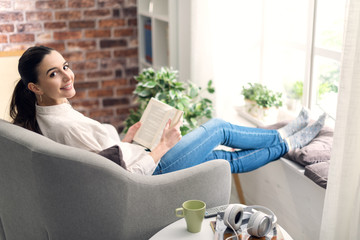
column 116, row 13
column 121, row 111
column 97, row 13
column 131, row 3
column 80, row 94
column 81, row 3
column 24, row 5
column 81, row 45
column 132, row 71
column 7, row 28
column 85, row 104
column 110, row 3
column 100, row 74
column 108, row 102
column 86, row 85
column 66, row 35
column 130, row 12
column 113, row 63
column 38, row 16
column 11, row 17
column 29, row 27
column 73, row 56
column 129, row 52
column 101, row 93
column 79, row 76
column 3, row 39
column 98, row 54
column 68, row 15
column 44, row 37
column 82, row 24
column 107, row 23
column 97, row 33
column 114, row 83
column 5, row 5
column 89, row 65
column 118, row 73
column 50, row 4
column 125, row 91
column 132, row 22
column 126, row 32
column 55, row 25
column 22, row 38
column 57, row 46
column 112, row 43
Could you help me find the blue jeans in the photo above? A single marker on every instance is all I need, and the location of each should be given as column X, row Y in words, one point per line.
column 256, row 147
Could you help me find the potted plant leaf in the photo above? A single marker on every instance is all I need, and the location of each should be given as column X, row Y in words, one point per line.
column 164, row 86
column 294, row 92
column 260, row 101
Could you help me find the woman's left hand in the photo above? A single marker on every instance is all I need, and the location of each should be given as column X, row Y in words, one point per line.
column 129, row 136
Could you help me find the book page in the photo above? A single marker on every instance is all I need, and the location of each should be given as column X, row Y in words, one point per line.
column 153, row 122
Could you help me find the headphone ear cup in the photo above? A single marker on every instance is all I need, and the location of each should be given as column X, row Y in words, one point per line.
column 233, row 216
column 259, row 224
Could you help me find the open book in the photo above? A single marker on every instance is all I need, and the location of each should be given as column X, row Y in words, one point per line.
column 153, row 122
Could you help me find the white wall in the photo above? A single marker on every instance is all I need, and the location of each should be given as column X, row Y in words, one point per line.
column 225, row 47
column 8, row 79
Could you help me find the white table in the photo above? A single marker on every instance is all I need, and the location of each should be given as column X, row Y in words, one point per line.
column 177, row 230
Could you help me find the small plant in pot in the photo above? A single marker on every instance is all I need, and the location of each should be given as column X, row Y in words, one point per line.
column 164, row 86
column 261, row 101
column 294, row 92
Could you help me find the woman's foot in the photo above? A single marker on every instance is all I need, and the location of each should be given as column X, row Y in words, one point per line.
column 295, row 125
column 304, row 136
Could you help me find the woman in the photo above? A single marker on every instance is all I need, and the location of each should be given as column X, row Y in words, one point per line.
column 40, row 104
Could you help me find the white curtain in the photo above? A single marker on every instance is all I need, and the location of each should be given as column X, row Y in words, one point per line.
column 341, row 215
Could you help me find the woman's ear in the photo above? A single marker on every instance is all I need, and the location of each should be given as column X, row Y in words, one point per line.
column 35, row 88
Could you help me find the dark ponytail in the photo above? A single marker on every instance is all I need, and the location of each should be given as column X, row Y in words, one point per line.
column 22, row 106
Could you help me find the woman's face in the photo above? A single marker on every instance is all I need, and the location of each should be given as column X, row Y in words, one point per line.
column 55, row 80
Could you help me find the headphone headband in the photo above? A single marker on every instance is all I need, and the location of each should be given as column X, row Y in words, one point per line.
column 252, row 207
column 233, row 217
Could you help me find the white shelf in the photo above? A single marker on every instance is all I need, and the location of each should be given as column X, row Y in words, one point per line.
column 166, row 40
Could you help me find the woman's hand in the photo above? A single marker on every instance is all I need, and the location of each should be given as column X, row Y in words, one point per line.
column 129, row 136
column 172, row 135
column 169, row 138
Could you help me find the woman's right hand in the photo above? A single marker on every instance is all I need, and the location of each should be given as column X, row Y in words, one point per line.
column 172, row 135
column 169, row 138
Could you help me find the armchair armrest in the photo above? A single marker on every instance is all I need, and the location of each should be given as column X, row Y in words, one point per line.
column 153, row 199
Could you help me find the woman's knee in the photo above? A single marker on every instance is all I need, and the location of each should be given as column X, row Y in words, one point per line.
column 214, row 123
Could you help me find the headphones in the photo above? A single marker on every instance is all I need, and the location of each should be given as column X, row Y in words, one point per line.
column 259, row 225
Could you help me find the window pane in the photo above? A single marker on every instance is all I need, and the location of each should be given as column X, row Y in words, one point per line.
column 329, row 24
column 286, row 21
column 326, row 76
column 284, row 71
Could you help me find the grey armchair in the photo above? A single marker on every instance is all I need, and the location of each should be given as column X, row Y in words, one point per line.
column 52, row 191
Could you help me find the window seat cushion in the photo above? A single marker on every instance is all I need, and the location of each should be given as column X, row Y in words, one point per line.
column 310, row 156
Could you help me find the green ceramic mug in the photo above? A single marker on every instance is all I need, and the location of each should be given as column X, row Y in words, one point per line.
column 193, row 211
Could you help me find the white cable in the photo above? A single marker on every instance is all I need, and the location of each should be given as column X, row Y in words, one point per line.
column 237, row 237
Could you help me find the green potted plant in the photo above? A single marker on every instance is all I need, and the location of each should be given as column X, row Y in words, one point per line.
column 294, row 93
column 164, row 86
column 261, row 101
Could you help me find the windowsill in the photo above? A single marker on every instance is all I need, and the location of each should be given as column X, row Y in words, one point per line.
column 281, row 116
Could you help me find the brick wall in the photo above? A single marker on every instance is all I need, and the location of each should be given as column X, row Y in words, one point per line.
column 97, row 37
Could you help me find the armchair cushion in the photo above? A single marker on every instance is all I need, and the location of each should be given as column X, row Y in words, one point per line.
column 114, row 154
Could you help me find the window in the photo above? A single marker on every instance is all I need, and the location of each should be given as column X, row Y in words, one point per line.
column 301, row 50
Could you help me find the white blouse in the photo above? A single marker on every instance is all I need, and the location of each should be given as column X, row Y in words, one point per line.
column 65, row 125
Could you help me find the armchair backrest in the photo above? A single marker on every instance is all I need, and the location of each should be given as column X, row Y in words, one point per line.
column 46, row 187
